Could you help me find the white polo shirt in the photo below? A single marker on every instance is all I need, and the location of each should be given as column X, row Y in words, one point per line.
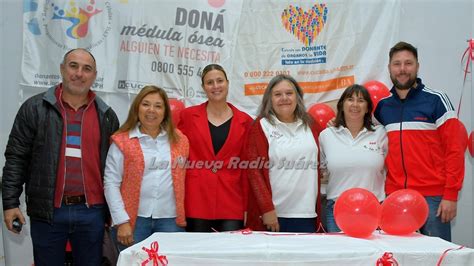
column 353, row 162
column 294, row 174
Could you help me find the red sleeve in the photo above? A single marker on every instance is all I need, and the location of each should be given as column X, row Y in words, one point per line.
column 453, row 137
column 259, row 183
column 244, row 174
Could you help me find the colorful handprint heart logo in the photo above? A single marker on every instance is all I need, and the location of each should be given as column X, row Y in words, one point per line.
column 72, row 18
column 78, row 17
column 305, row 25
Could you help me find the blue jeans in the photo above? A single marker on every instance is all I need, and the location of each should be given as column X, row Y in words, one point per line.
column 331, row 225
column 433, row 225
column 297, row 225
column 82, row 226
column 145, row 227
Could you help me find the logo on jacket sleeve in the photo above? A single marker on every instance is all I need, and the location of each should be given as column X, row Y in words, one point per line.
column 420, row 118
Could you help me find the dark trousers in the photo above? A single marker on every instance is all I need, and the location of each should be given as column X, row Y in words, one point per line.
column 297, row 225
column 82, row 226
column 203, row 225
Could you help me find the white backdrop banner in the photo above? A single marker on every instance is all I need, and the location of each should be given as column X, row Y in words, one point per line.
column 135, row 42
column 326, row 46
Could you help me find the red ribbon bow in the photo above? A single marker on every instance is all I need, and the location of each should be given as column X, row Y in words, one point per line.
column 387, row 260
column 153, row 255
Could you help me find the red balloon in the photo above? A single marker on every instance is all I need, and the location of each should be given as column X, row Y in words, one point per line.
column 403, row 212
column 377, row 91
column 471, row 144
column 321, row 114
column 357, row 212
column 176, row 106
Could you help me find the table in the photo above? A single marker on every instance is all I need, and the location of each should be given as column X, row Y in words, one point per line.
column 263, row 248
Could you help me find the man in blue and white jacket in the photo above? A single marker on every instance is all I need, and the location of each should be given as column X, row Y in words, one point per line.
column 426, row 152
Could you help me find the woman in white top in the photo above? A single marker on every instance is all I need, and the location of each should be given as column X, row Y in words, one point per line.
column 284, row 190
column 353, row 151
column 144, row 172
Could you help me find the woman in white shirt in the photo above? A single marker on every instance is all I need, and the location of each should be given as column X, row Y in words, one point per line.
column 144, row 172
column 353, row 151
column 284, row 191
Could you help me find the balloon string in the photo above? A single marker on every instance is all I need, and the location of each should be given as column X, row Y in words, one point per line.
column 469, row 56
column 446, row 252
column 321, row 228
column 248, row 231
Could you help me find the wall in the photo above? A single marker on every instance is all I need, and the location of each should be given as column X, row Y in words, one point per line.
column 10, row 58
column 440, row 30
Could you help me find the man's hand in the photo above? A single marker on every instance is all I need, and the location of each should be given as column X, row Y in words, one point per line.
column 270, row 219
column 331, row 122
column 125, row 234
column 10, row 215
column 447, row 209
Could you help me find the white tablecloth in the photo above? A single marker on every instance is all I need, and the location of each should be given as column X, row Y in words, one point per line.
column 259, row 248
